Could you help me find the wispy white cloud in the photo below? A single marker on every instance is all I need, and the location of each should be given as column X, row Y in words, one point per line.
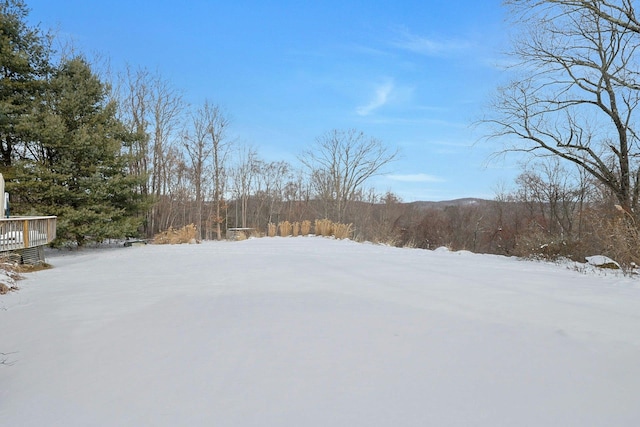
column 380, row 97
column 416, row 177
column 429, row 46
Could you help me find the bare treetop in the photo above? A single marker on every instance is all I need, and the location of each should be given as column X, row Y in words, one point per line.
column 576, row 93
column 341, row 161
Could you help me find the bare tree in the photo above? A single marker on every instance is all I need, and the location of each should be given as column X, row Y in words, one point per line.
column 620, row 13
column 271, row 180
column 215, row 124
column 296, row 194
column 195, row 143
column 340, row 162
column 167, row 107
column 134, row 100
column 554, row 197
column 575, row 97
column 152, row 108
column 172, row 209
column 243, row 176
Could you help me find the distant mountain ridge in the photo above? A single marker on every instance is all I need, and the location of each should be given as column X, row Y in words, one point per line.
column 456, row 202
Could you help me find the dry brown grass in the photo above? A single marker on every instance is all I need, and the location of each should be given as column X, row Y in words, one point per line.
column 305, row 227
column 622, row 239
column 241, row 236
column 323, row 227
column 12, row 272
column 5, row 289
column 285, row 228
column 30, row 268
column 11, row 269
column 342, row 231
column 186, row 234
column 327, row 228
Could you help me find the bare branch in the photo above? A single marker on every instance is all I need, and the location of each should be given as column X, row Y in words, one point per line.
column 577, row 94
column 340, row 162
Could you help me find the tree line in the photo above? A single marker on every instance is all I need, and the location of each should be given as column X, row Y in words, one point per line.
column 573, row 98
column 570, row 110
column 127, row 156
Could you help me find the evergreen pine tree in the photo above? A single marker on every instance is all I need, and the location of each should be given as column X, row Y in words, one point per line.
column 76, row 168
column 24, row 64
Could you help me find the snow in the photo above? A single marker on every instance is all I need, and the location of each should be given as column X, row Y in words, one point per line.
column 317, row 332
column 601, row 260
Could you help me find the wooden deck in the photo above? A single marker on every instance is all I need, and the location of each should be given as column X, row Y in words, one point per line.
column 26, row 232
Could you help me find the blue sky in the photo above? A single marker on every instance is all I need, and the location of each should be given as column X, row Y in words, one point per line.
column 415, row 74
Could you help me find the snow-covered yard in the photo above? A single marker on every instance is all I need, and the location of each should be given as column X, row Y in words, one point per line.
column 317, row 332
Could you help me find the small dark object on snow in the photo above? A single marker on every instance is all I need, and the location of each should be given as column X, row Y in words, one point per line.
column 129, row 243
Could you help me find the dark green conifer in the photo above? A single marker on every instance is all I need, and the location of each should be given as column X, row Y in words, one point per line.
column 24, row 64
column 77, row 167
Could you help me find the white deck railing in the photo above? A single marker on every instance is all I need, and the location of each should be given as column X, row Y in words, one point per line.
column 26, row 232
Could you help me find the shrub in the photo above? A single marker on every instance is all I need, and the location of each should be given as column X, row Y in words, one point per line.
column 285, row 228
column 342, row 231
column 9, row 273
column 327, row 228
column 295, row 229
column 324, row 227
column 305, row 227
column 186, row 234
column 621, row 240
column 271, row 229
